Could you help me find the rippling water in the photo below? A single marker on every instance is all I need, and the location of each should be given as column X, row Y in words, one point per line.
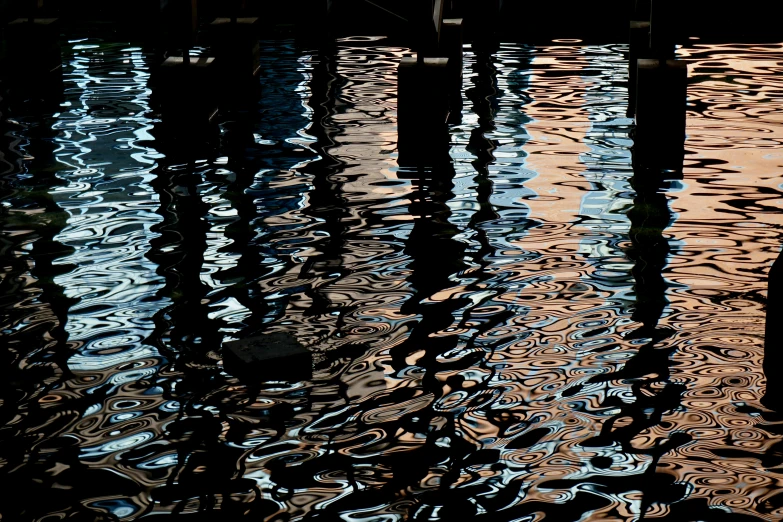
column 532, row 334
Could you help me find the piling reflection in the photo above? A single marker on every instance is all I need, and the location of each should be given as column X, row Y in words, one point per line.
column 649, row 369
column 327, row 203
column 484, row 96
column 185, row 326
column 650, row 216
column 31, row 221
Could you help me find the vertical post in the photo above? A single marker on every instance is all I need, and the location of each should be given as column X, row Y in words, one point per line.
column 451, row 47
column 193, row 22
column 641, row 10
column 235, row 43
column 482, row 18
column 187, row 85
column 34, row 6
column 773, row 340
column 639, row 47
column 662, row 28
column 437, row 18
column 422, row 111
column 660, row 114
column 179, row 24
column 33, row 57
column 191, row 37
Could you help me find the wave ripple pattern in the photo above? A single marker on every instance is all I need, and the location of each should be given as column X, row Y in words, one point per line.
column 526, row 336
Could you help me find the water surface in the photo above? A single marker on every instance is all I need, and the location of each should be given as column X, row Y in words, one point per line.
column 530, row 334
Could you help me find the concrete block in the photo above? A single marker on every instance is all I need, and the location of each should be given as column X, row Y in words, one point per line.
column 270, row 357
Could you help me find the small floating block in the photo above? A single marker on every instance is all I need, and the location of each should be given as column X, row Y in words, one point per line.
column 270, row 357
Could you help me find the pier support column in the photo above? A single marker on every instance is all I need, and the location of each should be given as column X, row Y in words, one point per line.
column 33, row 65
column 483, row 17
column 660, row 114
column 422, row 111
column 235, row 42
column 179, row 23
column 187, row 92
column 639, row 48
column 451, row 43
column 186, row 85
column 663, row 28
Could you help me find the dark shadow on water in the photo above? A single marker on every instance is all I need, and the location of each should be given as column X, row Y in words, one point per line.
column 327, row 203
column 648, row 371
column 35, row 347
column 773, row 338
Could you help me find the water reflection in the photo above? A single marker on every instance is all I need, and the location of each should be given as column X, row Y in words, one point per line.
column 36, row 347
column 326, row 202
column 535, row 329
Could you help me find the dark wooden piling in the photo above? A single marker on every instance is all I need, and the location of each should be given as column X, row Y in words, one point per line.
column 451, row 46
column 638, row 48
column 422, row 111
column 641, row 10
column 235, row 43
column 425, row 87
column 315, row 20
column 187, row 87
column 660, row 114
column 483, row 18
column 33, row 63
column 663, row 28
column 773, row 337
column 179, row 24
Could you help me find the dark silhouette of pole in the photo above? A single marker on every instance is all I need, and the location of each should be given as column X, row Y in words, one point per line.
column 663, row 28
column 773, row 338
column 661, row 96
